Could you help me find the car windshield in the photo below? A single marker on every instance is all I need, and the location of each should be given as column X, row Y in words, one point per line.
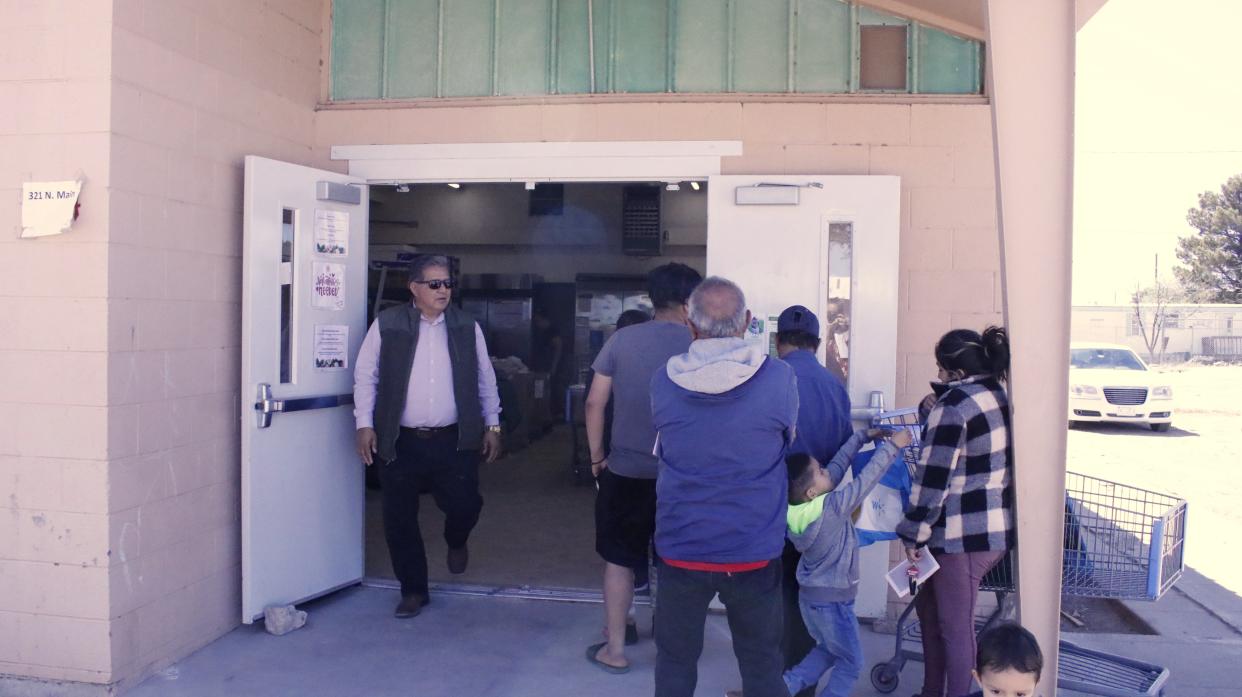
column 1107, row 359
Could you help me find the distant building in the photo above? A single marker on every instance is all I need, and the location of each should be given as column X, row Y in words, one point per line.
column 1185, row 324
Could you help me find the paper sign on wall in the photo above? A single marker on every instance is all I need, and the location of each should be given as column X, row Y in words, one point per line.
column 331, row 346
column 328, row 286
column 47, row 207
column 331, row 232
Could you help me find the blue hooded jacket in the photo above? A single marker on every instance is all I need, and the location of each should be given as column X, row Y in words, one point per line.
column 725, row 415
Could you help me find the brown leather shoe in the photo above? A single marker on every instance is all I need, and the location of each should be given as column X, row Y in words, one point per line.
column 410, row 605
column 458, row 559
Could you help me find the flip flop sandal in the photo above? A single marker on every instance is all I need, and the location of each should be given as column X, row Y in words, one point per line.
column 593, row 649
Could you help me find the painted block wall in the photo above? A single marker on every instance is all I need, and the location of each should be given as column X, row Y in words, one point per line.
column 58, row 430
column 196, row 87
column 118, row 412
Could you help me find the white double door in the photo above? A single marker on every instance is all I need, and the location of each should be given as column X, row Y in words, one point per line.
column 306, row 244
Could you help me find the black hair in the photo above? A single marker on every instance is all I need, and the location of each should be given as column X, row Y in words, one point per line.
column 798, row 339
column 1006, row 646
column 632, row 317
column 974, row 353
column 670, row 285
column 422, row 262
column 801, row 472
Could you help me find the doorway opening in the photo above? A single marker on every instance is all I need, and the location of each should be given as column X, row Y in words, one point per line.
column 546, row 269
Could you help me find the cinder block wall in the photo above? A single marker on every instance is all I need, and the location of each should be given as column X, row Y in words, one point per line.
column 56, row 427
column 196, row 87
column 118, row 407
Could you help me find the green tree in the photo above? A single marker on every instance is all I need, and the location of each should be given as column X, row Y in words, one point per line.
column 1213, row 257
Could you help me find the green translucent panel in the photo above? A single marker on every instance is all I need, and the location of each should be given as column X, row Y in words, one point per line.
column 947, row 64
column 406, row 49
column 700, row 56
column 467, row 48
column 357, row 49
column 573, row 74
column 761, row 46
column 522, row 67
column 640, row 45
column 604, row 40
column 411, row 38
column 822, row 58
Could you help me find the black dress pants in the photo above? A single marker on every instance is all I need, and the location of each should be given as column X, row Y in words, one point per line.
column 427, row 462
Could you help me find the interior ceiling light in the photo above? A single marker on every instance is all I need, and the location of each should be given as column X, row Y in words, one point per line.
column 694, row 185
column 672, row 186
column 403, row 188
column 530, row 186
column 454, row 185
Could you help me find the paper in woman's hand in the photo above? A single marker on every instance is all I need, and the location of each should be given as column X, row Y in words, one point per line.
column 899, row 576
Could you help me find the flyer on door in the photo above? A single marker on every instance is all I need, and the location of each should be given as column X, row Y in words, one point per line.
column 331, row 232
column 328, row 286
column 331, row 347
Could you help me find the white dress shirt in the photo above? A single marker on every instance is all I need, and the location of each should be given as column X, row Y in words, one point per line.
column 429, row 400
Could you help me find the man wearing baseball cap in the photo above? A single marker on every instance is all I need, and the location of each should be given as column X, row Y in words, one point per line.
column 823, row 426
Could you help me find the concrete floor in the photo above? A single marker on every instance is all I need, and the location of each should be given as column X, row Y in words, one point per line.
column 502, row 647
column 491, row 647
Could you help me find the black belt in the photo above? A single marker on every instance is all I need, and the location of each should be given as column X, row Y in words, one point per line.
column 427, row 433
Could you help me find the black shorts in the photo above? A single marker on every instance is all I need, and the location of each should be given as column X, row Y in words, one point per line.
column 624, row 519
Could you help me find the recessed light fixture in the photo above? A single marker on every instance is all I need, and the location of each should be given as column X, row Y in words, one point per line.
column 672, row 186
column 454, row 185
column 694, row 185
column 530, row 186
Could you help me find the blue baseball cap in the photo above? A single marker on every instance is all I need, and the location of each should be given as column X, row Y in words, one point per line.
column 798, row 318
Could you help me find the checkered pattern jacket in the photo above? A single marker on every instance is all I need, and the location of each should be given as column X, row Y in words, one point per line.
column 962, row 497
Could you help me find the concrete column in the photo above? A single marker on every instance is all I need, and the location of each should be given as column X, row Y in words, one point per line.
column 1031, row 82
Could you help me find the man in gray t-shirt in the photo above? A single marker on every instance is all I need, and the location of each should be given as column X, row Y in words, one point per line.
column 626, row 474
column 630, row 358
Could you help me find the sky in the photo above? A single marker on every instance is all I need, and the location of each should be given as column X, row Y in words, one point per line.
column 1158, row 120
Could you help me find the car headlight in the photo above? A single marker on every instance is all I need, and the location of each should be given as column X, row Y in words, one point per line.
column 1162, row 393
column 1086, row 391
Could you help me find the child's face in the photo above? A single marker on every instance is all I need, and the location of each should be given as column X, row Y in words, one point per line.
column 1007, row 683
column 821, row 483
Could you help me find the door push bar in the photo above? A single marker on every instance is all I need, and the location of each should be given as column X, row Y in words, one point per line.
column 266, row 405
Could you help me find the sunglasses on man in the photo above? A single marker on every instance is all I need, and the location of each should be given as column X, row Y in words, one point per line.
column 438, row 283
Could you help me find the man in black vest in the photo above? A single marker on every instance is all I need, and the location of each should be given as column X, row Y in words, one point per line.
column 426, row 407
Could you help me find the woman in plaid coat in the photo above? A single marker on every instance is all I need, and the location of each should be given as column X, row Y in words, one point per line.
column 961, row 505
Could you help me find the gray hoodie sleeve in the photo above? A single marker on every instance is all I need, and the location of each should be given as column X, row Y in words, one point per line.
column 840, row 463
column 840, row 502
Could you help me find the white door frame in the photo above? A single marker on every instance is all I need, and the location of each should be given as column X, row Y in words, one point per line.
column 537, row 162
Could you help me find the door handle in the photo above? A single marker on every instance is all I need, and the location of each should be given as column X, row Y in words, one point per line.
column 266, row 405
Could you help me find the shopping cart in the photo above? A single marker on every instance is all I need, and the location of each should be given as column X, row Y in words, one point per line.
column 1120, row 542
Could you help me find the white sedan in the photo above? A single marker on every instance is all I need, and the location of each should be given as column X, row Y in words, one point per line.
column 1111, row 383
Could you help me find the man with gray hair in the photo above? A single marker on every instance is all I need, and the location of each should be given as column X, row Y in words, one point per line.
column 724, row 415
column 426, row 406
